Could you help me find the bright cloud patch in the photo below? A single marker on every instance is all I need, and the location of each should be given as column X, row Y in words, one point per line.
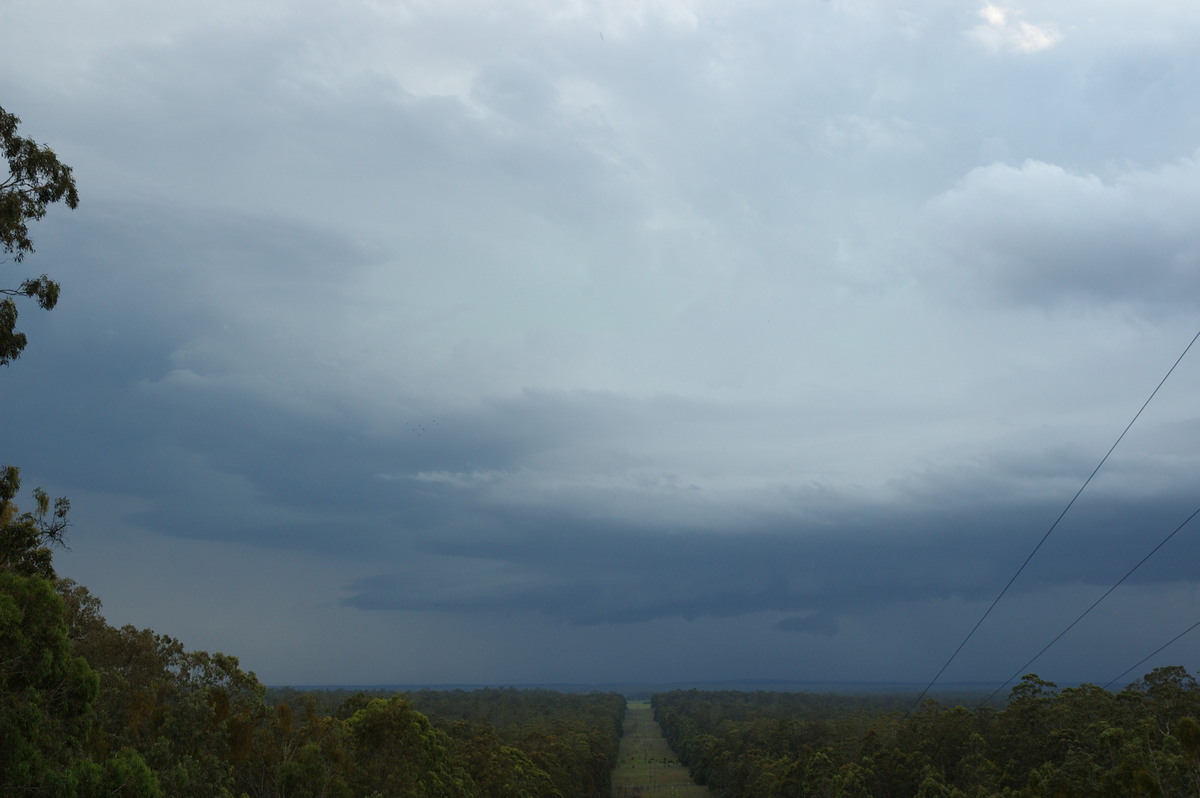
column 1001, row 31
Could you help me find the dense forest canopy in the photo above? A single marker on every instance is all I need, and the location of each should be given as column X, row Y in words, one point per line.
column 91, row 710
column 1077, row 741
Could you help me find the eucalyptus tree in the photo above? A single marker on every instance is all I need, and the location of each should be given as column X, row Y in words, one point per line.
column 36, row 180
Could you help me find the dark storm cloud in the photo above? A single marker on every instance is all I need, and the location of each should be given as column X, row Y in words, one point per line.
column 817, row 623
column 142, row 285
column 466, row 497
column 862, row 557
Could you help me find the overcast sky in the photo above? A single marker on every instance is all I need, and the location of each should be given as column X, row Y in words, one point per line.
column 570, row 341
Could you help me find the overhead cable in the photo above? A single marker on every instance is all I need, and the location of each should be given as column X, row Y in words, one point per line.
column 1053, row 526
column 1151, row 654
column 1024, row 668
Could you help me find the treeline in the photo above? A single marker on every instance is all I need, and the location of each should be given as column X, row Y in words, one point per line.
column 515, row 742
column 90, row 710
column 1077, row 741
column 572, row 738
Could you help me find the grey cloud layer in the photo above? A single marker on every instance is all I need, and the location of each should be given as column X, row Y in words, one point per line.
column 1039, row 234
column 611, row 315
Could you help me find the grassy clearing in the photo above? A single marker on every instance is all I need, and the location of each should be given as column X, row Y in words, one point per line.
column 646, row 765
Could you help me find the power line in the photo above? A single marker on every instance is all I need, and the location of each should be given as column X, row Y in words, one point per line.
column 1152, row 654
column 1071, row 625
column 1053, row 526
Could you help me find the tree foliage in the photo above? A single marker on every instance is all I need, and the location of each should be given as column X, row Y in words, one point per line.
column 26, row 538
column 36, row 179
column 1078, row 741
column 46, row 691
